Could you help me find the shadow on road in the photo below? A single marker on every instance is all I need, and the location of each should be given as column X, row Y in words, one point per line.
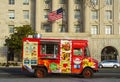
column 16, row 72
column 13, row 72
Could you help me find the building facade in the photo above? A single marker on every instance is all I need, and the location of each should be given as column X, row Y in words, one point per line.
column 97, row 21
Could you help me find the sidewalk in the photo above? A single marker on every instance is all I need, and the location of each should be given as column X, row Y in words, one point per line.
column 10, row 66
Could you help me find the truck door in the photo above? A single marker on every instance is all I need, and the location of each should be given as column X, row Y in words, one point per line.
column 77, row 56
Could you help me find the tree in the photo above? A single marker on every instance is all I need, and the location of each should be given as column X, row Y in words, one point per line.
column 14, row 41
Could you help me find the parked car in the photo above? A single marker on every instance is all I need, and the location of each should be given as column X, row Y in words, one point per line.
column 109, row 63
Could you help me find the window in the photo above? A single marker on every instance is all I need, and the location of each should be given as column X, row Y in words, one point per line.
column 47, row 1
column 64, row 15
column 108, row 29
column 11, row 2
column 94, row 14
column 94, row 29
column 94, row 2
column 49, row 49
column 46, row 11
column 26, row 14
column 62, row 28
column 108, row 14
column 77, row 28
column 47, row 28
column 25, row 2
column 78, row 51
column 108, row 2
column 11, row 14
column 11, row 28
column 62, row 1
column 77, row 14
column 77, row 1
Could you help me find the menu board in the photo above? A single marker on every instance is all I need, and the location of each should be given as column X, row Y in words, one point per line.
column 30, row 53
column 65, row 56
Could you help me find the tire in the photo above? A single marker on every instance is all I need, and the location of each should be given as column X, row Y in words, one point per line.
column 40, row 72
column 115, row 66
column 100, row 66
column 87, row 73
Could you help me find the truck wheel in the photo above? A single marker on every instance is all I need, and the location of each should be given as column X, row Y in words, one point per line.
column 87, row 73
column 40, row 73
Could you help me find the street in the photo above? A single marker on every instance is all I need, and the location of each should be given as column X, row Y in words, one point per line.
column 13, row 74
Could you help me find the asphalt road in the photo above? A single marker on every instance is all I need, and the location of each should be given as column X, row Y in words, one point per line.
column 16, row 75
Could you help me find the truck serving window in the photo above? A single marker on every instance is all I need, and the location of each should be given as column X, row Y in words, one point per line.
column 49, row 50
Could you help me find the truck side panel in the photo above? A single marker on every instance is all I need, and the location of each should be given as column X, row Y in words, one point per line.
column 30, row 53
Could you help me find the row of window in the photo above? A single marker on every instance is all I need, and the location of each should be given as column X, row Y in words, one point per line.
column 94, row 29
column 107, row 2
column 48, row 28
column 77, row 14
column 94, row 2
column 94, row 14
column 12, row 14
column 25, row 2
column 107, row 15
column 79, row 28
column 107, row 30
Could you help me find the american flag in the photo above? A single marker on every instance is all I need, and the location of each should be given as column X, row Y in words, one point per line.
column 55, row 15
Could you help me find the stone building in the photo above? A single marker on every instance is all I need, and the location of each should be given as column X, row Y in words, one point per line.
column 98, row 21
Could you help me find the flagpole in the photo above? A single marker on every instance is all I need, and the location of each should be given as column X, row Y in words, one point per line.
column 62, row 20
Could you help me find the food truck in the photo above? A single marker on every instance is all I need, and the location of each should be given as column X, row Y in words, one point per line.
column 42, row 56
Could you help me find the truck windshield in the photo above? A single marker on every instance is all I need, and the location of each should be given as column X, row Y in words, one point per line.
column 78, row 51
column 87, row 52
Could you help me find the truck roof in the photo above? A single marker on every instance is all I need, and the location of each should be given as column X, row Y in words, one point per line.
column 55, row 39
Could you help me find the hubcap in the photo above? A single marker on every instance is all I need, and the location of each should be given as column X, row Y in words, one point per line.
column 115, row 66
column 39, row 73
column 87, row 73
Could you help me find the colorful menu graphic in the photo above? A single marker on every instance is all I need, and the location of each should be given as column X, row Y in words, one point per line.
column 65, row 56
column 87, row 62
column 30, row 53
column 54, row 67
